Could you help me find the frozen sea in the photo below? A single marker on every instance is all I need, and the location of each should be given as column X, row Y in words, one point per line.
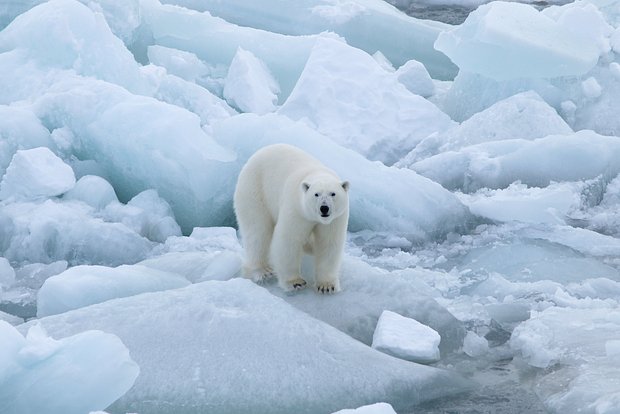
column 482, row 265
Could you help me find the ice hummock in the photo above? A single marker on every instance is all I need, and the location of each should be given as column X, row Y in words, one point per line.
column 497, row 164
column 345, row 94
column 500, row 40
column 525, row 115
column 249, row 86
column 76, row 374
column 280, row 357
column 36, row 173
column 81, row 286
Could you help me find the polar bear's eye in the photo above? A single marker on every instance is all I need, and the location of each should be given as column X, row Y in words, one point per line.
column 333, row 194
column 316, row 194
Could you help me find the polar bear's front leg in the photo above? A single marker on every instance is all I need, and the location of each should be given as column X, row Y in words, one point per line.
column 287, row 248
column 328, row 249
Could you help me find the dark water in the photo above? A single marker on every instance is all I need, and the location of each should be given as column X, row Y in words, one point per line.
column 446, row 14
column 500, row 390
column 451, row 14
column 442, row 13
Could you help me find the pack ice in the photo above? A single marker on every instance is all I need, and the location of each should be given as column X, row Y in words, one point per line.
column 485, row 204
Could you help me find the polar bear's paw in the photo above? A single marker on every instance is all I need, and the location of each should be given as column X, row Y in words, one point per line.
column 261, row 276
column 326, row 287
column 296, row 284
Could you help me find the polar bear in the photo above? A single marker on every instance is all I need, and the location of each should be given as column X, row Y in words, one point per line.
column 288, row 203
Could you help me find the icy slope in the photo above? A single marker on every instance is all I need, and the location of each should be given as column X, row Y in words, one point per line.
column 199, row 346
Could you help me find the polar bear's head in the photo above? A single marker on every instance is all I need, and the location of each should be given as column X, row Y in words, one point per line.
column 324, row 198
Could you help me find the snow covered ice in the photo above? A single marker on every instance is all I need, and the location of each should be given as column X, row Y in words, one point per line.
column 484, row 162
column 406, row 338
column 219, row 340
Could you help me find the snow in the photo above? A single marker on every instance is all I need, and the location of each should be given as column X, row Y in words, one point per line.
column 406, row 338
column 222, row 335
column 485, row 205
column 37, row 370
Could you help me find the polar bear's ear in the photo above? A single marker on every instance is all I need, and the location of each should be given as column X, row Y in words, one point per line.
column 345, row 185
column 305, row 186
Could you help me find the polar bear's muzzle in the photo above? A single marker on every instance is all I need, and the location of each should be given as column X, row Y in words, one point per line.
column 324, row 211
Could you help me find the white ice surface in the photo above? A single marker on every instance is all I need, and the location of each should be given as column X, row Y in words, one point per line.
column 249, row 86
column 77, row 374
column 517, row 202
column 406, row 338
column 352, row 20
column 378, row 408
column 575, row 342
column 366, row 293
column 525, row 115
column 580, row 156
column 81, row 286
column 67, row 35
column 500, row 40
column 92, row 190
column 20, row 129
column 192, row 343
column 475, row 345
column 34, row 174
column 48, row 231
column 416, row 78
column 7, row 273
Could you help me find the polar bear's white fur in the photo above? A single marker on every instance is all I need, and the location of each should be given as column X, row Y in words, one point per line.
column 288, row 203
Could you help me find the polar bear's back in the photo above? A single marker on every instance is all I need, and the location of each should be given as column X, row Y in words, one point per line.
column 273, row 171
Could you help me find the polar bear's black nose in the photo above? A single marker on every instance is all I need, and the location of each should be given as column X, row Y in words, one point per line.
column 324, row 210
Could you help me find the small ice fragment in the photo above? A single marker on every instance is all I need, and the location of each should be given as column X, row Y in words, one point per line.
column 406, row 338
